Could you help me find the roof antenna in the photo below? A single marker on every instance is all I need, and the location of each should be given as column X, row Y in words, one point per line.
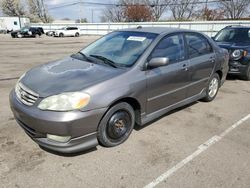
column 139, row 27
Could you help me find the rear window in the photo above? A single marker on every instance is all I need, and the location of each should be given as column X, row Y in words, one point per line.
column 197, row 45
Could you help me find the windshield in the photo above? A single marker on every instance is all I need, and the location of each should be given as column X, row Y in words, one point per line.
column 233, row 35
column 121, row 48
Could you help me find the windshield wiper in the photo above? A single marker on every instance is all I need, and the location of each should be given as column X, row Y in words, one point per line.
column 85, row 57
column 105, row 60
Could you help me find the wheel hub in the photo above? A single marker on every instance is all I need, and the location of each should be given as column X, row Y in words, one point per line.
column 119, row 124
column 213, row 87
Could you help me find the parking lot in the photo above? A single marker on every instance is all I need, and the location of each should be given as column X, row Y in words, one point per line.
column 199, row 145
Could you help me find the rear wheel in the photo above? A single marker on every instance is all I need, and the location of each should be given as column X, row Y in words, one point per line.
column 77, row 35
column 61, row 35
column 117, row 124
column 212, row 88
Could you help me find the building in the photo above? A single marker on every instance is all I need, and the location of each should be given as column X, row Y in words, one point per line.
column 13, row 23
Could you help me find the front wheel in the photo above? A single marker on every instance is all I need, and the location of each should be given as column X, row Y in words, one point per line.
column 247, row 75
column 212, row 88
column 117, row 124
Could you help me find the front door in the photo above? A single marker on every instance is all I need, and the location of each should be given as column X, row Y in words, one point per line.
column 167, row 85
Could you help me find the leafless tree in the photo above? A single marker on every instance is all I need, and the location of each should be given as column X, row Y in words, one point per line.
column 158, row 7
column 235, row 9
column 209, row 14
column 113, row 14
column 12, row 7
column 182, row 9
column 38, row 11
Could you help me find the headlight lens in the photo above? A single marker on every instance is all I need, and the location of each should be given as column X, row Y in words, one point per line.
column 237, row 54
column 65, row 101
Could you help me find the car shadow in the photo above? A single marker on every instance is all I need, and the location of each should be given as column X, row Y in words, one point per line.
column 232, row 77
column 68, row 154
column 138, row 127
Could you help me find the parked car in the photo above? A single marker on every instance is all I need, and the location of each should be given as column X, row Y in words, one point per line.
column 127, row 77
column 68, row 32
column 50, row 33
column 28, row 32
column 236, row 39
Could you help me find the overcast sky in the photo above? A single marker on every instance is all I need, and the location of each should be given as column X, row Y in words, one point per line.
column 77, row 11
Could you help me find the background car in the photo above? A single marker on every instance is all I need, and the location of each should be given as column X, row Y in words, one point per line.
column 68, row 32
column 50, row 33
column 236, row 39
column 28, row 32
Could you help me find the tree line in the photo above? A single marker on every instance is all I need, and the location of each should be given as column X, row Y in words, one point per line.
column 35, row 10
column 141, row 10
column 176, row 10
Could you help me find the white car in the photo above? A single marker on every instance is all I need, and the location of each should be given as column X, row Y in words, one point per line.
column 68, row 32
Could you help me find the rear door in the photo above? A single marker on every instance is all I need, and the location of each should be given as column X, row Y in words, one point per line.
column 201, row 62
column 166, row 85
column 68, row 31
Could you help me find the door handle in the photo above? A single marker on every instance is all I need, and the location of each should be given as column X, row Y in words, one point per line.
column 184, row 67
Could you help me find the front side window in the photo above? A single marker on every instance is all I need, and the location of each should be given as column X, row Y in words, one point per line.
column 121, row 47
column 171, row 47
column 197, row 45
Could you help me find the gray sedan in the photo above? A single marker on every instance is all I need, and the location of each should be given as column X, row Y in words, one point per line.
column 127, row 77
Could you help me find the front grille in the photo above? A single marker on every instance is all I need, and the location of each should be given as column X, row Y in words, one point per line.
column 25, row 95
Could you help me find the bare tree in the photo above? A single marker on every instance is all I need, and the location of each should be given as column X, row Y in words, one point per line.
column 182, row 9
column 158, row 7
column 12, row 8
column 113, row 14
column 38, row 11
column 235, row 9
column 209, row 14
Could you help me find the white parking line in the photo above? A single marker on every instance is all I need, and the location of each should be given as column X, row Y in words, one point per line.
column 203, row 147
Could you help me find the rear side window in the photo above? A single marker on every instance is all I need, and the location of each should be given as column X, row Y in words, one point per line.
column 197, row 45
column 171, row 47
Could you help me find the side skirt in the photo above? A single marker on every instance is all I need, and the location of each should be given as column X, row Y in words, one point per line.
column 150, row 117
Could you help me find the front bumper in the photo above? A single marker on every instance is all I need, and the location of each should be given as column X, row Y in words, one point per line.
column 237, row 68
column 81, row 126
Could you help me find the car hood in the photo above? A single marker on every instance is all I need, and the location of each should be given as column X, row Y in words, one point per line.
column 67, row 75
column 234, row 45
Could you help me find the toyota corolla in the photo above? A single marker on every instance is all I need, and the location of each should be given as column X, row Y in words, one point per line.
column 127, row 77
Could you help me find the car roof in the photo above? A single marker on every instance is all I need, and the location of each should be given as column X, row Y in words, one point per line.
column 238, row 27
column 157, row 30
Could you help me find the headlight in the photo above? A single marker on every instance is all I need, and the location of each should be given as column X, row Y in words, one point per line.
column 237, row 54
column 65, row 101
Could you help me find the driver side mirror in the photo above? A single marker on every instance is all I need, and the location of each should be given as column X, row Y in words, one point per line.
column 158, row 62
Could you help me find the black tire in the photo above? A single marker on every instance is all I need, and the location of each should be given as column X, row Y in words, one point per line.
column 247, row 75
column 116, row 125
column 77, row 35
column 61, row 35
column 211, row 96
